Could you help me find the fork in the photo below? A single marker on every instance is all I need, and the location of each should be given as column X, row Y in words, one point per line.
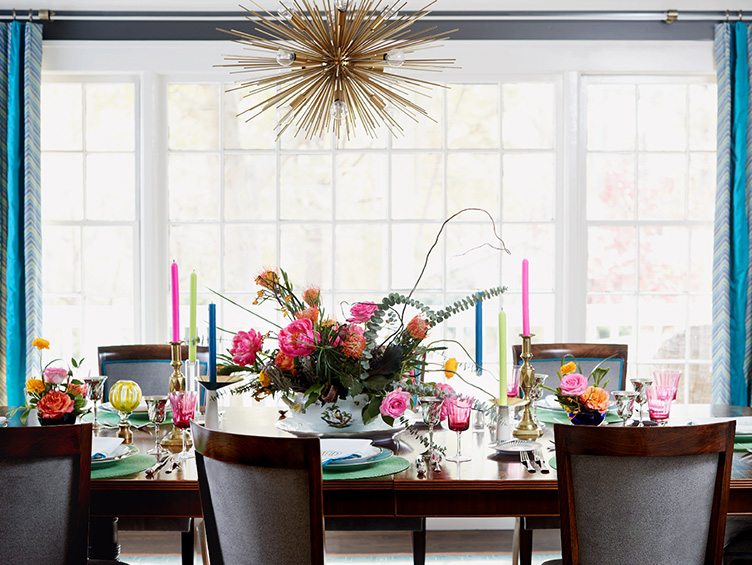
column 540, row 459
column 525, row 460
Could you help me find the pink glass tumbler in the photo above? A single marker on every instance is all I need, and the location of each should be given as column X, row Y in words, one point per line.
column 659, row 402
column 513, row 384
column 183, row 404
column 458, row 410
column 668, row 378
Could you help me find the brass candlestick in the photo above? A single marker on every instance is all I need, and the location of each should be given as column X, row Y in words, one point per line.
column 174, row 440
column 527, row 429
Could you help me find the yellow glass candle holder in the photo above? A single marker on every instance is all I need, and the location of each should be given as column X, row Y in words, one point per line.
column 125, row 396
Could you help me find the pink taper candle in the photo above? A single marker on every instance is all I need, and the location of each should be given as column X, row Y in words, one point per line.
column 525, row 299
column 175, row 303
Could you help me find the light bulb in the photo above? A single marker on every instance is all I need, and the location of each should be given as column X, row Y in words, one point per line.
column 395, row 58
column 342, row 5
column 285, row 58
column 338, row 110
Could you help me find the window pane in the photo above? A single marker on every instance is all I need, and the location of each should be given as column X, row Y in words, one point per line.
column 529, row 186
column 417, row 186
column 361, row 257
column 63, row 186
column 662, row 117
column 473, row 182
column 426, row 133
column 528, row 118
column 195, row 247
column 473, row 116
column 193, row 116
column 242, row 132
column 532, row 241
column 110, row 117
column 612, row 253
column 62, row 259
column 702, row 117
column 108, row 265
column 361, row 186
column 611, row 117
column 662, row 331
column 62, row 116
column 250, row 187
column 193, row 184
column 611, row 318
column 110, row 186
column 306, row 187
column 306, row 254
column 702, row 185
column 662, row 185
column 471, row 265
column 664, row 259
column 248, row 250
column 610, row 186
column 410, row 245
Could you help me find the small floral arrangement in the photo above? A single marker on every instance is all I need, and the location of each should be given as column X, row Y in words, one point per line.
column 575, row 393
column 55, row 394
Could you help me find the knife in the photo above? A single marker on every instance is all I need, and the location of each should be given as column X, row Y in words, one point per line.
column 154, row 469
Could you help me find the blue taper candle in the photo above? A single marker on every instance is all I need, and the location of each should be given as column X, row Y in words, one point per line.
column 212, row 343
column 479, row 336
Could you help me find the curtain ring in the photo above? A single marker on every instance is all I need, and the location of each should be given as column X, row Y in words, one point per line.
column 727, row 16
column 741, row 16
column 31, row 15
column 14, row 14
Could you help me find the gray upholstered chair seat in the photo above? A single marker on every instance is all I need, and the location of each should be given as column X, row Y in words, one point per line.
column 104, row 562
column 738, row 548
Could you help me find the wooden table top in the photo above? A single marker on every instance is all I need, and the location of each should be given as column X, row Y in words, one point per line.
column 490, row 484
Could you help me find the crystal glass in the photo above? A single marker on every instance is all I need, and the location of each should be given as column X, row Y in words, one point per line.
column 95, row 393
column 669, row 378
column 183, row 404
column 430, row 412
column 536, row 393
column 458, row 410
column 659, row 402
column 157, row 409
column 641, row 385
column 625, row 401
column 513, row 384
column 125, row 396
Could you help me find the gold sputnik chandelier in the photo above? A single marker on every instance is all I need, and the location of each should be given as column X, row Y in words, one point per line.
column 334, row 69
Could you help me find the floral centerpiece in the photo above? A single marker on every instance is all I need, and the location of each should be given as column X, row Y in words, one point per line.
column 56, row 395
column 370, row 362
column 585, row 403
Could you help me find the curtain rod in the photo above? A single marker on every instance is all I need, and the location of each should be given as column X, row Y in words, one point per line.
column 667, row 16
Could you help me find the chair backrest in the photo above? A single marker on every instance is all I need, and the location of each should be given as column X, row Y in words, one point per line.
column 547, row 360
column 261, row 498
column 45, row 474
column 148, row 365
column 643, row 495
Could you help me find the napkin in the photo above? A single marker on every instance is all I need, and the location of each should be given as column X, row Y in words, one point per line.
column 343, row 449
column 104, row 447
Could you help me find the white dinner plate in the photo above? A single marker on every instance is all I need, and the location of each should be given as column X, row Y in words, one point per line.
column 349, row 465
column 122, row 452
column 140, row 409
column 333, row 448
column 516, row 445
column 323, row 430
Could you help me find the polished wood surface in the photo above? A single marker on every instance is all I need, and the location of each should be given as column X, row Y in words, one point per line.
column 717, row 439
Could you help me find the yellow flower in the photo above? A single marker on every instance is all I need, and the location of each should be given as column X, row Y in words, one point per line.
column 40, row 343
column 567, row 368
column 35, row 386
column 264, row 379
column 450, row 367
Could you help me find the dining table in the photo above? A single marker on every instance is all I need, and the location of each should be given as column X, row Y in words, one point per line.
column 489, row 485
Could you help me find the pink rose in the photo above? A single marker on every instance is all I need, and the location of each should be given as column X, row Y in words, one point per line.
column 573, row 384
column 245, row 346
column 55, row 375
column 395, row 403
column 361, row 312
column 298, row 339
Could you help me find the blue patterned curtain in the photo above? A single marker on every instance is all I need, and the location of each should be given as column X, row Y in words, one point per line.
column 20, row 206
column 732, row 294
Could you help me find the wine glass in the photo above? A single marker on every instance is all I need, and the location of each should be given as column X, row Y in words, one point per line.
column 183, row 404
column 156, row 407
column 625, row 401
column 641, row 385
column 95, row 392
column 458, row 409
column 430, row 411
column 659, row 402
column 536, row 393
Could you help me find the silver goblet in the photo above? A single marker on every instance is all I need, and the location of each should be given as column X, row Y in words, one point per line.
column 430, row 412
column 95, row 392
column 536, row 393
column 625, row 401
column 641, row 385
column 157, row 408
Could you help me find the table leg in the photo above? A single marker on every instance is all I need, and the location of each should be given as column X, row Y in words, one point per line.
column 419, row 544
column 186, row 544
column 103, row 538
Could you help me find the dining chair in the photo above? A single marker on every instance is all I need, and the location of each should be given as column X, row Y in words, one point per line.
column 45, row 472
column 149, row 366
column 738, row 547
column 643, row 495
column 262, row 498
column 547, row 360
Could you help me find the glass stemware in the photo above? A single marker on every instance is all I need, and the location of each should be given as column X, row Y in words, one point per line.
column 430, row 411
column 536, row 394
column 458, row 410
column 156, row 407
column 659, row 403
column 513, row 384
column 95, row 392
column 625, row 401
column 669, row 378
column 125, row 396
column 641, row 385
column 183, row 404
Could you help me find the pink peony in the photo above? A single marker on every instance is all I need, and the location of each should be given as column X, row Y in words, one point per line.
column 573, row 384
column 55, row 404
column 298, row 339
column 55, row 375
column 361, row 312
column 395, row 403
column 245, row 346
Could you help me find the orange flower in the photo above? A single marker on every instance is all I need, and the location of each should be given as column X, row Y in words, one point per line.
column 54, row 404
column 355, row 342
column 311, row 296
column 310, row 313
column 268, row 279
column 284, row 362
column 35, row 386
column 40, row 343
column 264, row 379
column 417, row 328
column 450, row 367
column 567, row 368
column 595, row 398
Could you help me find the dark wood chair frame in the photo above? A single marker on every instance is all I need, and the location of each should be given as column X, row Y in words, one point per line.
column 58, row 441
column 644, row 442
column 286, row 453
column 545, row 352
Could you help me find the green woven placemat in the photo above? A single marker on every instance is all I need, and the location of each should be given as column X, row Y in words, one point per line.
column 388, row 467
column 560, row 417
column 123, row 468
column 111, row 419
column 552, row 463
column 742, row 444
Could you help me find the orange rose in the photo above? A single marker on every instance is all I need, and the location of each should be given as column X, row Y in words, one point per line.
column 595, row 398
column 284, row 362
column 54, row 405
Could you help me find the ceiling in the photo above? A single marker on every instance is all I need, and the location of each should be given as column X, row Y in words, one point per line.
column 440, row 5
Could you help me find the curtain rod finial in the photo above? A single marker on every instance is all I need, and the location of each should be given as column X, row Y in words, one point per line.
column 671, row 16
